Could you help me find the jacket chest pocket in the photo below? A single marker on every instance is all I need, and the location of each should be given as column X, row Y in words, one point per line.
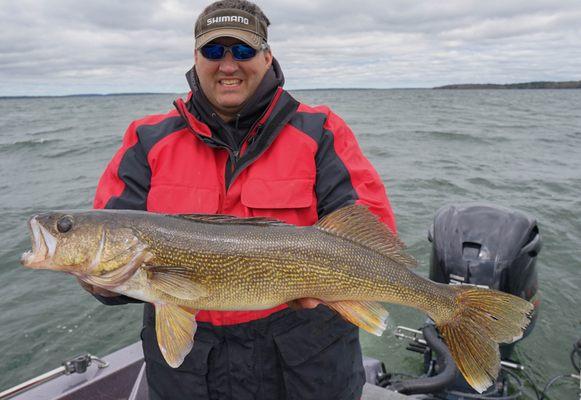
column 289, row 200
column 179, row 199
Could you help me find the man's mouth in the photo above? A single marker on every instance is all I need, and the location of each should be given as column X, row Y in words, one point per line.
column 230, row 82
column 43, row 246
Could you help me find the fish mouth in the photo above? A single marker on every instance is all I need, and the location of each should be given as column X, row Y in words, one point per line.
column 43, row 246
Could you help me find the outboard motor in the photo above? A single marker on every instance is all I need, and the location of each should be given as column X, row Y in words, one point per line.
column 486, row 245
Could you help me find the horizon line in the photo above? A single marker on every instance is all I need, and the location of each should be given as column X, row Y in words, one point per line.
column 178, row 93
column 448, row 86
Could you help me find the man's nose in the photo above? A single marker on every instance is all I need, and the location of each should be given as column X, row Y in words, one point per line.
column 228, row 65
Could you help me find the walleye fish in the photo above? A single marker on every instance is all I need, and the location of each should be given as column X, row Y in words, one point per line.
column 349, row 260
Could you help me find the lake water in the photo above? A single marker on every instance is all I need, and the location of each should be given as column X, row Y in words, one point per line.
column 518, row 149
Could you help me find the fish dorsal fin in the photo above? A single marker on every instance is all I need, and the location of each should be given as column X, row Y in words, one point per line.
column 229, row 219
column 358, row 224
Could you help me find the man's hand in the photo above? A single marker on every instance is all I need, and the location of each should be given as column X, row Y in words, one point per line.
column 307, row 302
column 97, row 290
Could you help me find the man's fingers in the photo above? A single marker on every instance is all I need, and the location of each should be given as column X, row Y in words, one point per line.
column 307, row 302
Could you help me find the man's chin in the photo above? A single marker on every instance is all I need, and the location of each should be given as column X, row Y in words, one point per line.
column 231, row 107
column 231, row 101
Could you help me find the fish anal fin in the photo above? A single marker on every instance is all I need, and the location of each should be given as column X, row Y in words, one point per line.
column 358, row 224
column 367, row 315
column 176, row 282
column 175, row 329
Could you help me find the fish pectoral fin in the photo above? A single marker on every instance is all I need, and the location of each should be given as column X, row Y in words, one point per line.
column 176, row 282
column 358, row 224
column 370, row 316
column 175, row 329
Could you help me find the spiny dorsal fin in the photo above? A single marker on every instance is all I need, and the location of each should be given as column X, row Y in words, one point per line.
column 229, row 219
column 358, row 224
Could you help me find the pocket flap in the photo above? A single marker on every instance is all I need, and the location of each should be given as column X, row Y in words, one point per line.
column 307, row 340
column 172, row 199
column 288, row 193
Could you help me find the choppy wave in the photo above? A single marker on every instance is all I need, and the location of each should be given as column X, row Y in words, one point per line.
column 447, row 136
column 27, row 144
column 50, row 131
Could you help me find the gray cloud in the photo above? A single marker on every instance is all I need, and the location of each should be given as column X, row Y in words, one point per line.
column 66, row 46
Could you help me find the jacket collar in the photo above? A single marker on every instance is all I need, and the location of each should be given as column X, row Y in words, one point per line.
column 254, row 108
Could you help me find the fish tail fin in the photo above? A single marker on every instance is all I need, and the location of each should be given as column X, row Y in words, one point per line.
column 482, row 318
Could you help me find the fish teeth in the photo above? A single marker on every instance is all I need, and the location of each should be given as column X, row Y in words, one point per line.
column 43, row 245
column 26, row 256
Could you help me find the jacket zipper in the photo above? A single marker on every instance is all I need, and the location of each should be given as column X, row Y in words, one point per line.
column 259, row 122
column 233, row 154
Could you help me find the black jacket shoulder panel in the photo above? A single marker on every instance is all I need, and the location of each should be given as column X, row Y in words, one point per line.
column 310, row 123
column 149, row 135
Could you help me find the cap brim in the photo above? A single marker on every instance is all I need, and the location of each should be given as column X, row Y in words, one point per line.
column 249, row 38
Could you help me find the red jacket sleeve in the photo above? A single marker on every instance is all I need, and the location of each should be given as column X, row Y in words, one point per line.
column 125, row 183
column 345, row 175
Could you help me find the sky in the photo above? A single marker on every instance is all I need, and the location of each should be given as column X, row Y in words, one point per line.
column 60, row 47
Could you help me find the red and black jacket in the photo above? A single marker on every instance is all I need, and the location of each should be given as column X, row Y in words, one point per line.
column 296, row 164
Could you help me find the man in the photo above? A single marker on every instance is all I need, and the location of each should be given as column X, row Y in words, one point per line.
column 241, row 145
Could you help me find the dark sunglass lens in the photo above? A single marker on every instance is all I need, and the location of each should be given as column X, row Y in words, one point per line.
column 243, row 52
column 213, row 51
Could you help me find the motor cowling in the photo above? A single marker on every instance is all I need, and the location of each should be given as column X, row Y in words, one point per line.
column 486, row 245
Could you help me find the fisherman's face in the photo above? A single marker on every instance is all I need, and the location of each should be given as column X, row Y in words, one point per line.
column 228, row 83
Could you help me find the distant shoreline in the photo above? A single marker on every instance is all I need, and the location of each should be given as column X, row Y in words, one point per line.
column 524, row 85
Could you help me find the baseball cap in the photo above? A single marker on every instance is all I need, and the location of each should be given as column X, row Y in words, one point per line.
column 230, row 22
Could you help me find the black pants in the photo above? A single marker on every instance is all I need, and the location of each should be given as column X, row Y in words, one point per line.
column 291, row 355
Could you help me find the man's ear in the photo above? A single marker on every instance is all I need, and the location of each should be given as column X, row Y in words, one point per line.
column 195, row 56
column 268, row 57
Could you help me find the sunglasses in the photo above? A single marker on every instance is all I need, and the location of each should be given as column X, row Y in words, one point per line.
column 240, row 52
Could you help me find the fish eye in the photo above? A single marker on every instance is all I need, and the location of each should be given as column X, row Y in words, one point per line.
column 64, row 224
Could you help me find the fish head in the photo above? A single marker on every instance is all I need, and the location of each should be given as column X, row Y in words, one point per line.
column 91, row 243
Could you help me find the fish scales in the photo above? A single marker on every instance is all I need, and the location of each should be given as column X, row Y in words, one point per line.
column 291, row 262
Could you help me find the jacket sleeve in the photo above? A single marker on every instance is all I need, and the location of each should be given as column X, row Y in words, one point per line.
column 124, row 186
column 345, row 176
